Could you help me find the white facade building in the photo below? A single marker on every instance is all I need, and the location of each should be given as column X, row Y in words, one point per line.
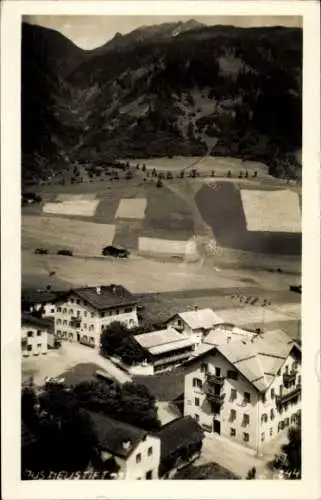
column 196, row 324
column 83, row 313
column 36, row 335
column 247, row 390
column 136, row 452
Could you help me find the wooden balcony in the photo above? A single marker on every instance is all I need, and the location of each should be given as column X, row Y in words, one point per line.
column 214, row 380
column 281, row 399
column 215, row 399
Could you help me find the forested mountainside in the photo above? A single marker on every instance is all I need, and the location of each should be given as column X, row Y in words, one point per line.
column 173, row 89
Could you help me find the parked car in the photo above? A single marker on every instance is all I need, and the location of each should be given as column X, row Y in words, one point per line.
column 65, row 252
column 41, row 251
column 296, row 288
column 112, row 251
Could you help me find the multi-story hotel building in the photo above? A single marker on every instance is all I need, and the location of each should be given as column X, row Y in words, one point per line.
column 83, row 313
column 247, row 390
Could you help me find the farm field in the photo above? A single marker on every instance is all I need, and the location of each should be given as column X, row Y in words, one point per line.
column 222, row 210
column 83, row 238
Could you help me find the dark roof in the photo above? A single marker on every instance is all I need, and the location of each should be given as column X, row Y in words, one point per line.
column 175, row 434
column 27, row 437
column 109, row 296
column 29, row 319
column 112, row 434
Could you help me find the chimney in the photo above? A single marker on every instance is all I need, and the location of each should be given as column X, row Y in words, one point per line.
column 126, row 445
column 98, row 290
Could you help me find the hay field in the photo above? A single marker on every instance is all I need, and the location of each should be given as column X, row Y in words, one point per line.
column 222, row 210
column 83, row 238
column 84, row 208
column 167, row 216
column 131, row 208
column 255, row 315
column 75, row 197
column 167, row 247
column 274, row 211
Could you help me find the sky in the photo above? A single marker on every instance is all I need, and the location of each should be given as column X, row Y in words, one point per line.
column 89, row 32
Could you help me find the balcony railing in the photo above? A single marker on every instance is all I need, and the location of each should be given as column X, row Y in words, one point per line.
column 289, row 378
column 217, row 399
column 214, row 379
column 284, row 398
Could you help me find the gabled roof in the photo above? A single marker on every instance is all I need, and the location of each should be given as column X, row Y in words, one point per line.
column 219, row 334
column 105, row 297
column 163, row 340
column 112, row 434
column 200, row 318
column 258, row 358
column 29, row 319
column 176, row 433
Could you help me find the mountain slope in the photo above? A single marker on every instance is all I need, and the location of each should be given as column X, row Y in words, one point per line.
column 180, row 89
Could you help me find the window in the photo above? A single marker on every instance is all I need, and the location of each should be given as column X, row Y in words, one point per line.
column 233, row 415
column 247, row 397
column 246, row 419
column 71, row 311
column 262, row 436
column 294, row 366
column 272, row 393
column 246, row 437
column 52, row 311
column 272, row 414
column 85, row 326
column 78, row 301
column 78, row 314
column 233, row 395
column 286, row 422
column 30, row 333
column 232, row 374
column 263, row 398
column 286, row 369
column 138, row 458
column 281, row 389
column 39, row 333
column 217, row 372
column 197, row 383
column 150, row 451
column 264, row 417
column 64, row 322
column 85, row 314
column 149, row 474
column 117, row 311
column 279, row 372
column 91, row 327
column 271, row 431
column 64, row 310
column 29, row 348
column 72, row 301
column 204, row 367
column 58, row 321
column 197, row 417
column 92, row 315
column 197, row 402
column 59, row 309
column 128, row 309
column 299, row 379
column 102, row 314
column 232, row 432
